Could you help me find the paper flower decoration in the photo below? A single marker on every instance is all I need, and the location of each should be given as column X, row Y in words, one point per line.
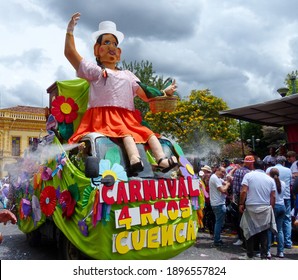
column 36, row 209
column 51, row 124
column 83, row 227
column 64, row 109
column 116, row 171
column 67, row 203
column 110, row 174
column 47, row 200
column 37, row 179
column 61, row 161
column 25, row 208
column 186, row 168
column 46, row 174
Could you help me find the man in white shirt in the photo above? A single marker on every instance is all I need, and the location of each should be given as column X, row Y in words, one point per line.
column 218, row 190
column 257, row 197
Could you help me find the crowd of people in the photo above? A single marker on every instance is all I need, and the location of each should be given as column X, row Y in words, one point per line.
column 260, row 195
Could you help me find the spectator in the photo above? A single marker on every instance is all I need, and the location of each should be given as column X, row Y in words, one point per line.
column 279, row 212
column 292, row 158
column 227, row 164
column 270, row 159
column 6, row 216
column 282, row 151
column 4, row 194
column 218, row 190
column 257, row 199
column 237, row 180
column 208, row 218
column 285, row 175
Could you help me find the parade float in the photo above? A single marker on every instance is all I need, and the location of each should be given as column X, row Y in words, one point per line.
column 84, row 197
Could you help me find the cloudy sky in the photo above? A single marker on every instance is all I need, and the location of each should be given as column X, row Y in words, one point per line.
column 240, row 50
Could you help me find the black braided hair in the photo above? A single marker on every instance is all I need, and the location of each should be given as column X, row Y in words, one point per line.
column 99, row 41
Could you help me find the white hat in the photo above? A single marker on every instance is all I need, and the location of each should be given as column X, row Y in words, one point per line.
column 207, row 168
column 108, row 27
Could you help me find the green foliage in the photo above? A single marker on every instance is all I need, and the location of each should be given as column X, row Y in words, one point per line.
column 144, row 71
column 195, row 121
column 292, row 82
column 250, row 129
column 267, row 135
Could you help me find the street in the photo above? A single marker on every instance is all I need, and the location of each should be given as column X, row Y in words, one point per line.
column 16, row 247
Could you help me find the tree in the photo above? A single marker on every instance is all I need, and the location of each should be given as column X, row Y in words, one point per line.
column 291, row 82
column 144, row 71
column 268, row 136
column 234, row 150
column 196, row 121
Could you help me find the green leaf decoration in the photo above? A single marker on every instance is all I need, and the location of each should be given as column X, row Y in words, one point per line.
column 86, row 194
column 178, row 149
column 150, row 158
column 74, row 190
column 113, row 155
column 144, row 123
column 65, row 130
column 150, row 92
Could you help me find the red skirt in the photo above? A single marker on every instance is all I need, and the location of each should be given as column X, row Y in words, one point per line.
column 112, row 122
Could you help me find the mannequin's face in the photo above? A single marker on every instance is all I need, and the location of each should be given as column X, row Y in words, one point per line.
column 107, row 51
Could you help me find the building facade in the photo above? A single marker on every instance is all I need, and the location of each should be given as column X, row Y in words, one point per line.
column 19, row 126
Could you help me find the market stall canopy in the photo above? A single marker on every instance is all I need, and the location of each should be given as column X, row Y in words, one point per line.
column 278, row 112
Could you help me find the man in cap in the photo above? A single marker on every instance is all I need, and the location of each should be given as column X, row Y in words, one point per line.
column 237, row 184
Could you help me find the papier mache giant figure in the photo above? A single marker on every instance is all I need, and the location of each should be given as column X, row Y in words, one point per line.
column 111, row 96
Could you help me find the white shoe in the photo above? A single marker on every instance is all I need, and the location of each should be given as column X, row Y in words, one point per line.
column 280, row 255
column 269, row 255
column 238, row 242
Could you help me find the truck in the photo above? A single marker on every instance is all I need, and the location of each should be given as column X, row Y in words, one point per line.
column 84, row 197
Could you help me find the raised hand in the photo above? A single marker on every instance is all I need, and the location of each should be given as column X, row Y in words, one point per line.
column 72, row 23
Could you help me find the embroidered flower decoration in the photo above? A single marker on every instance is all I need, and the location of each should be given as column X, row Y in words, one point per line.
column 47, row 200
column 64, row 109
column 67, row 203
column 186, row 168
